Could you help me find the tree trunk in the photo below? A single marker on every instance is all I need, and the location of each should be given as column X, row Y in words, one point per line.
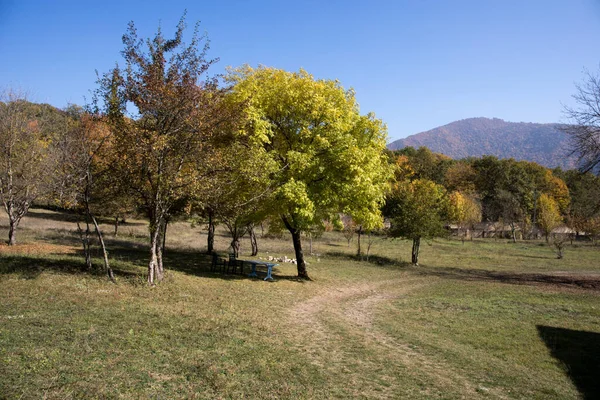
column 85, row 241
column 109, row 270
column 153, row 271
column 12, row 230
column 415, row 250
column 253, row 241
column 160, row 250
column 297, row 240
column 210, row 242
column 152, row 265
column 358, row 250
column 514, row 234
column 301, row 264
column 165, row 225
column 369, row 244
column 310, row 242
column 116, row 226
column 160, row 271
column 235, row 245
column 86, row 238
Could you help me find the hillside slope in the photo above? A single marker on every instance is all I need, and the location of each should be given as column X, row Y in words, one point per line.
column 542, row 143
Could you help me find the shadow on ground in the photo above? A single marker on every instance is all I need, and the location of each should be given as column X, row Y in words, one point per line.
column 128, row 260
column 373, row 259
column 590, row 282
column 67, row 237
column 30, row 267
column 579, row 354
column 65, row 216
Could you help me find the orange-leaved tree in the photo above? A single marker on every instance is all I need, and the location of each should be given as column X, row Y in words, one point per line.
column 165, row 115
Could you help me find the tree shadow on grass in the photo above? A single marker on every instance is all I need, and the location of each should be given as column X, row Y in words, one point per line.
column 590, row 282
column 31, row 267
column 579, row 353
column 331, row 244
column 69, row 216
column 131, row 255
column 550, row 256
column 71, row 238
column 199, row 264
column 377, row 260
column 129, row 263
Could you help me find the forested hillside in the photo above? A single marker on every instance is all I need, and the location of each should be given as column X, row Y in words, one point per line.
column 545, row 144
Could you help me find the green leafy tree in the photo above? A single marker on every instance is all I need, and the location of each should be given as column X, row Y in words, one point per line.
column 330, row 158
column 426, row 164
column 592, row 228
column 461, row 177
column 242, row 190
column 523, row 181
column 584, row 192
column 417, row 210
column 506, row 209
column 491, row 176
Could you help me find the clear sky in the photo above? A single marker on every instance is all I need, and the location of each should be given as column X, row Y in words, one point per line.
column 417, row 64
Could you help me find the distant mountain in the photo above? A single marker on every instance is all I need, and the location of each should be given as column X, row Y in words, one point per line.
column 542, row 143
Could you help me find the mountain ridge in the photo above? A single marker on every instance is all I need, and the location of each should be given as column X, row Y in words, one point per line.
column 545, row 143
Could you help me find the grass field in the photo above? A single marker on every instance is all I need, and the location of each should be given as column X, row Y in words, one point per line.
column 484, row 319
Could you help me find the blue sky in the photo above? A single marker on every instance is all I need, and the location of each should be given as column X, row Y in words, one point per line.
column 416, row 64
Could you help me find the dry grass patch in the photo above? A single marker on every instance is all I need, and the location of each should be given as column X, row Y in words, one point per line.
column 36, row 249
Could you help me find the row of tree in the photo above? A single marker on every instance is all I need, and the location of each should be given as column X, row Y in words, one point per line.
column 432, row 191
column 162, row 138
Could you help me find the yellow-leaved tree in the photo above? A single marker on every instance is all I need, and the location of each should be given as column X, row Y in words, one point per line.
column 329, row 157
column 548, row 214
column 464, row 211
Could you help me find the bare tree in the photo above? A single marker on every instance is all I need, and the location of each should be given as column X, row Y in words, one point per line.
column 81, row 176
column 559, row 242
column 23, row 154
column 371, row 237
column 350, row 228
column 584, row 129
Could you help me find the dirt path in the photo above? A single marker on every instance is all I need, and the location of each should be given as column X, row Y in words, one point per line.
column 338, row 328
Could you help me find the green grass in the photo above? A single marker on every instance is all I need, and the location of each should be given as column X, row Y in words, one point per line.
column 487, row 319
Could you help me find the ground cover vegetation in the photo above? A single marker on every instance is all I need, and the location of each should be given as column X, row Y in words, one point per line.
column 169, row 166
column 481, row 319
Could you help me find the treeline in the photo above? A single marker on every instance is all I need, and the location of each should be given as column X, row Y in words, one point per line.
column 526, row 197
column 163, row 139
